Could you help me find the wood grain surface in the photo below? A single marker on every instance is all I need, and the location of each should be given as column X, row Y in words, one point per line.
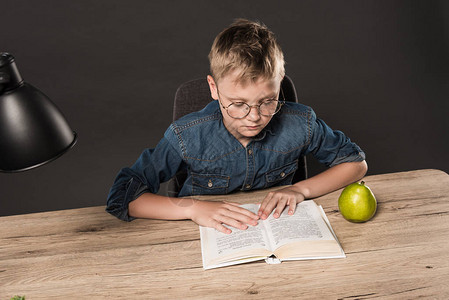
column 402, row 253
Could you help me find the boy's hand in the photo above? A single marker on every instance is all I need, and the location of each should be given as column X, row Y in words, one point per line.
column 279, row 199
column 215, row 214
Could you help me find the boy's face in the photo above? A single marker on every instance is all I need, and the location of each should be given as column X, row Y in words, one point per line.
column 230, row 91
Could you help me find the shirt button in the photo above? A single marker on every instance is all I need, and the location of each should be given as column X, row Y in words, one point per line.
column 250, row 151
column 248, row 186
column 210, row 184
column 282, row 175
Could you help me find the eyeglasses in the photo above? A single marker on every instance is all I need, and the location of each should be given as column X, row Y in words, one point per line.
column 239, row 109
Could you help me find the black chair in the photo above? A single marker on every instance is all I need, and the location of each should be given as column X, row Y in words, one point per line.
column 194, row 95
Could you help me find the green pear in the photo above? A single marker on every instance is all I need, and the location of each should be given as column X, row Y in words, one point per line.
column 357, row 203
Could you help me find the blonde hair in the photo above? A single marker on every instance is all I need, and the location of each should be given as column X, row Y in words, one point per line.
column 248, row 47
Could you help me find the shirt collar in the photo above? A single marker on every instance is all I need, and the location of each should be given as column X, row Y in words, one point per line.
column 269, row 129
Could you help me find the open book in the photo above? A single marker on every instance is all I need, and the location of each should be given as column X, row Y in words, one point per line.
column 307, row 234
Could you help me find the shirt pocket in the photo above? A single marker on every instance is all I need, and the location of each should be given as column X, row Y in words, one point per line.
column 209, row 184
column 282, row 175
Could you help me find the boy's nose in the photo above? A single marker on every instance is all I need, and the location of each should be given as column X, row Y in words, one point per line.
column 254, row 113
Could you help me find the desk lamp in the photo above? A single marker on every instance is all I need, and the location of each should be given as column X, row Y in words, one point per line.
column 33, row 131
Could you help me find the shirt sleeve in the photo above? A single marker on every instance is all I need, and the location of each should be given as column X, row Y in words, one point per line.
column 331, row 147
column 153, row 167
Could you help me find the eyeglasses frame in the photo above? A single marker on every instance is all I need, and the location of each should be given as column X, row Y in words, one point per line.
column 280, row 103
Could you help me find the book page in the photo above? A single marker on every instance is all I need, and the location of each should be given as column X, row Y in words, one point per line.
column 306, row 224
column 216, row 244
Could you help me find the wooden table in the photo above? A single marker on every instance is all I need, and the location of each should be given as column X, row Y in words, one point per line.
column 403, row 252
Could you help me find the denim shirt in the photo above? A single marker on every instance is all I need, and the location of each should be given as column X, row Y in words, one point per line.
column 217, row 163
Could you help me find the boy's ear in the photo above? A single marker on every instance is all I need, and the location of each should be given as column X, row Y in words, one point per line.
column 212, row 87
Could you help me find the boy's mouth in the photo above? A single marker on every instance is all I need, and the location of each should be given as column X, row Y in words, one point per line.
column 253, row 127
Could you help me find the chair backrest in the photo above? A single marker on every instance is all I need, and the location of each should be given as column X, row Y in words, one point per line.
column 194, row 95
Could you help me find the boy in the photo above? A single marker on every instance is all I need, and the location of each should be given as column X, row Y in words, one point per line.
column 246, row 139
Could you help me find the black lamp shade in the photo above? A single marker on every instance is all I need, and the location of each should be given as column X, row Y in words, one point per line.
column 33, row 131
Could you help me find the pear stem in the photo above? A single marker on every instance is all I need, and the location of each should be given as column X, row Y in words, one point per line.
column 362, row 182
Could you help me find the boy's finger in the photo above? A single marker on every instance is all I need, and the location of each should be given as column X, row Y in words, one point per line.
column 244, row 211
column 280, row 207
column 229, row 220
column 264, row 204
column 220, row 227
column 232, row 203
column 269, row 208
column 242, row 216
column 291, row 207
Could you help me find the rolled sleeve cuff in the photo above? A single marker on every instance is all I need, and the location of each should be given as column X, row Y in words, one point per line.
column 117, row 204
column 356, row 155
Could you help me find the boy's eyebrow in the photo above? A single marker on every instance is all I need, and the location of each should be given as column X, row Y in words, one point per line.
column 273, row 96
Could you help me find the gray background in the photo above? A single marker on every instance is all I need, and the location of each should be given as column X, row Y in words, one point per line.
column 377, row 70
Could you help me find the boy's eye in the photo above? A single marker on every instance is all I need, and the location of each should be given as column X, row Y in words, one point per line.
column 239, row 104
